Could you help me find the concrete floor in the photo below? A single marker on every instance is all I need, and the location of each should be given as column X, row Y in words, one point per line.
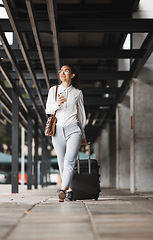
column 37, row 215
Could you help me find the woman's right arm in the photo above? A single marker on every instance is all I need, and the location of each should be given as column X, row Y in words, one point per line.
column 51, row 105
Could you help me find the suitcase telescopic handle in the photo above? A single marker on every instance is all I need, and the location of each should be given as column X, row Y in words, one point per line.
column 89, row 161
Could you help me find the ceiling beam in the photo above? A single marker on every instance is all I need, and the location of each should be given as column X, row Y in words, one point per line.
column 68, row 24
column 7, row 76
column 7, row 94
column 22, row 119
column 8, row 107
column 21, row 43
column 33, row 54
column 37, row 40
column 86, row 91
column 5, row 116
column 101, row 91
column 13, row 85
column 25, row 26
column 85, row 75
column 81, row 53
column 94, row 109
column 99, row 101
column 39, row 75
column 117, row 7
column 5, row 91
column 86, row 25
column 100, row 76
column 137, row 65
column 101, row 53
column 89, row 101
column 52, row 20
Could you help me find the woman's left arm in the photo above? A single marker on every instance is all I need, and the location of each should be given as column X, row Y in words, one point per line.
column 82, row 117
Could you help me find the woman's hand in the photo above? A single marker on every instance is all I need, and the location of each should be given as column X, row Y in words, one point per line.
column 61, row 100
column 84, row 141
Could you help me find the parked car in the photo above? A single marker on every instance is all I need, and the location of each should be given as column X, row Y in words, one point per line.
column 3, row 177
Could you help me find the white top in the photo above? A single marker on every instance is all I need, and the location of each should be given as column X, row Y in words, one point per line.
column 69, row 112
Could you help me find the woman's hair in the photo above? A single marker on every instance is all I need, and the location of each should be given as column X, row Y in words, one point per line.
column 76, row 80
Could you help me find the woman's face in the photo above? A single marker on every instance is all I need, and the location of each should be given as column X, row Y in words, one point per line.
column 65, row 74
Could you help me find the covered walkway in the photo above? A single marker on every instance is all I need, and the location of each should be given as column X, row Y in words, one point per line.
column 111, row 42
column 38, row 215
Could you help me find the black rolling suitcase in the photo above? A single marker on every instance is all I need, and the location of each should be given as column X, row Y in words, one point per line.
column 85, row 181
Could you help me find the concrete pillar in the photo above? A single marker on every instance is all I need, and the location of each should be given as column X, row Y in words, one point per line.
column 104, row 141
column 123, row 129
column 104, row 151
column 29, row 170
column 22, row 155
column 123, row 144
column 42, row 162
column 142, row 135
column 141, row 165
column 15, row 142
column 112, row 154
column 36, row 157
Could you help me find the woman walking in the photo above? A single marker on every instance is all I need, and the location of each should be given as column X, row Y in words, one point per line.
column 71, row 120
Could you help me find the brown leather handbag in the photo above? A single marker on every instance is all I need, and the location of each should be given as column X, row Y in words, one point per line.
column 51, row 121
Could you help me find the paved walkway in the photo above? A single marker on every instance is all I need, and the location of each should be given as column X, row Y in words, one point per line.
column 37, row 215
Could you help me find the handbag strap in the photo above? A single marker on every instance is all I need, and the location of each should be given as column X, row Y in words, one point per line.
column 56, row 93
column 55, row 98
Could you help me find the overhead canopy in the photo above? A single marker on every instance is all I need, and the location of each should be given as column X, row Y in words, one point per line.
column 89, row 34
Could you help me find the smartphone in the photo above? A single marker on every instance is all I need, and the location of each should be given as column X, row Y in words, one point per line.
column 63, row 94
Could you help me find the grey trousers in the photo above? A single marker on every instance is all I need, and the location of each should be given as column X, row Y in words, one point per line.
column 67, row 141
